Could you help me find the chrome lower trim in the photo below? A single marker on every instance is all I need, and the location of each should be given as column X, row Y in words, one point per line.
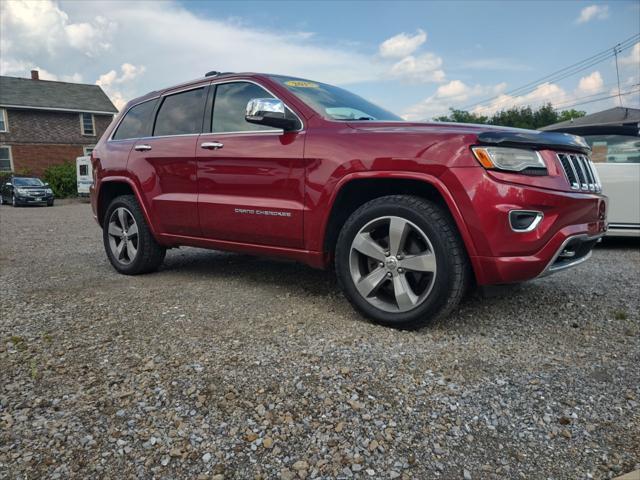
column 549, row 269
column 534, row 224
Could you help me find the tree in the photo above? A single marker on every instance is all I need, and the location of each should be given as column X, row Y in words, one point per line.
column 519, row 117
column 461, row 116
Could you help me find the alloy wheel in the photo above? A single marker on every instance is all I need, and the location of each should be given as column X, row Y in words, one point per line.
column 123, row 236
column 392, row 264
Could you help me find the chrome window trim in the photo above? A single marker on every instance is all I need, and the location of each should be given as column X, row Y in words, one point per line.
column 302, row 126
column 275, row 132
column 192, row 87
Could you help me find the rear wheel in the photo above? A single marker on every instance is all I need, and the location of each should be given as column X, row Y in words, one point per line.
column 128, row 241
column 400, row 261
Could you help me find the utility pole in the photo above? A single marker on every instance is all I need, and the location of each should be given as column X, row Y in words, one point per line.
column 615, row 52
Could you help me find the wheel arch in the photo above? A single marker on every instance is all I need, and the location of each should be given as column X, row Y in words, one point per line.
column 112, row 187
column 355, row 190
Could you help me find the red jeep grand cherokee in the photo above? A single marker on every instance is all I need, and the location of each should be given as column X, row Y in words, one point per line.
column 409, row 213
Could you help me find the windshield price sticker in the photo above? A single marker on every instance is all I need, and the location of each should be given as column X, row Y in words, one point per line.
column 301, row 84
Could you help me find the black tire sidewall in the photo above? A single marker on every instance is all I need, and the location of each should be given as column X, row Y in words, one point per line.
column 138, row 265
column 442, row 284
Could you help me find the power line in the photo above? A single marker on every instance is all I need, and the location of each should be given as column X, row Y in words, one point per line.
column 601, row 98
column 565, row 72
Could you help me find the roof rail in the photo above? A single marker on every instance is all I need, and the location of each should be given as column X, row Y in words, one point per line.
column 214, row 73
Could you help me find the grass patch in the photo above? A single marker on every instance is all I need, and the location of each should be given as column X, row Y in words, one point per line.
column 19, row 343
column 620, row 315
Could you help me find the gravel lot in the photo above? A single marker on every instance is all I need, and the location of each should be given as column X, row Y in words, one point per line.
column 230, row 366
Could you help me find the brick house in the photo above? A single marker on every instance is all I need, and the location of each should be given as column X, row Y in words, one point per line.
column 45, row 123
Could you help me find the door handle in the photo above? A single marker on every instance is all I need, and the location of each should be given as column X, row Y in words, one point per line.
column 212, row 145
column 142, row 148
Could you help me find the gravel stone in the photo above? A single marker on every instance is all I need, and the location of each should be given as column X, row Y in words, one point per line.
column 227, row 366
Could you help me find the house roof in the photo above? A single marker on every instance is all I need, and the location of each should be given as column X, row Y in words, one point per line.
column 48, row 95
column 617, row 116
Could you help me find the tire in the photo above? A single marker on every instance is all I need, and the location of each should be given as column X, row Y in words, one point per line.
column 50, row 204
column 423, row 272
column 13, row 201
column 148, row 254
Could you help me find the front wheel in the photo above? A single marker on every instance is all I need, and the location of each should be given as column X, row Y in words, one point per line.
column 128, row 241
column 400, row 261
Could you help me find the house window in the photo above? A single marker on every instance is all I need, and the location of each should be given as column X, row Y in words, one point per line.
column 88, row 149
column 87, row 124
column 6, row 165
column 4, row 124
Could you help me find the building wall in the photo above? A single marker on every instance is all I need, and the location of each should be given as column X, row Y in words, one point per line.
column 42, row 126
column 40, row 138
column 34, row 159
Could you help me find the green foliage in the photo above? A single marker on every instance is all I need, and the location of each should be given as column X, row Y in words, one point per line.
column 5, row 176
column 62, row 179
column 519, row 117
column 462, row 116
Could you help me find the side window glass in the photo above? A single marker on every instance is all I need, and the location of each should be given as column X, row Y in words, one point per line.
column 230, row 105
column 614, row 148
column 136, row 123
column 181, row 113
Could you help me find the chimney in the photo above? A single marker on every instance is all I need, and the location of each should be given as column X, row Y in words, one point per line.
column 35, row 75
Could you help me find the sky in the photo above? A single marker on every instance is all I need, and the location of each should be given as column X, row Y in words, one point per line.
column 414, row 58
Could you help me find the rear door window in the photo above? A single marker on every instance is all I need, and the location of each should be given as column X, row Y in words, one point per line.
column 181, row 113
column 137, row 122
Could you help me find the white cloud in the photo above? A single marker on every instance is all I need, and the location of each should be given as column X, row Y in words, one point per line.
column 41, row 26
column 169, row 40
column 402, row 44
column 633, row 59
column 423, row 68
column 593, row 12
column 591, row 83
column 110, row 82
column 544, row 93
column 452, row 93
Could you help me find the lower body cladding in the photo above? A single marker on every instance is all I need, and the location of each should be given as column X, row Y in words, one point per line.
column 520, row 233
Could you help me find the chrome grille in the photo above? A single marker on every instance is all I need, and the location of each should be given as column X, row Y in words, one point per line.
column 580, row 172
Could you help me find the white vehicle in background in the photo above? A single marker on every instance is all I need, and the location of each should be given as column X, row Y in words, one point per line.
column 84, row 175
column 614, row 138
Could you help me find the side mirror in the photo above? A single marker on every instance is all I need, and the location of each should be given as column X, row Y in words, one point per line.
column 8, row 184
column 270, row 112
column 46, row 184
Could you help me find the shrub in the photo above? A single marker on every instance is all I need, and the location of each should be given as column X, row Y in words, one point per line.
column 62, row 179
column 5, row 176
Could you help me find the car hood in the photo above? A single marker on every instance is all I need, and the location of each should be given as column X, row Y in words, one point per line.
column 485, row 134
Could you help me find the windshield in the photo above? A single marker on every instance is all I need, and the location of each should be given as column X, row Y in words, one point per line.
column 27, row 182
column 334, row 103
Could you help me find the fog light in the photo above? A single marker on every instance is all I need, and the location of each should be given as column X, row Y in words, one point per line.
column 524, row 220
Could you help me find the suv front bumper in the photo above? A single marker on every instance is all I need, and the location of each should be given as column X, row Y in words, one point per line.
column 570, row 226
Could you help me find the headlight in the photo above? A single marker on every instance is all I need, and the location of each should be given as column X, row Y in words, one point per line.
column 21, row 191
column 511, row 159
column 48, row 190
